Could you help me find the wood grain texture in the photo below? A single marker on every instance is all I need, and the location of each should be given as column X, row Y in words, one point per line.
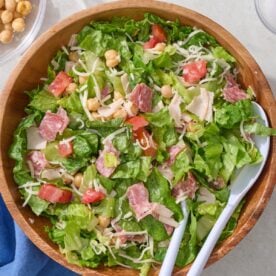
column 33, row 66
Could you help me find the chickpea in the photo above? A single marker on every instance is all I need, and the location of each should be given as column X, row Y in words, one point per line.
column 1, row 26
column 82, row 79
column 103, row 221
column 6, row 36
column 121, row 113
column 111, row 54
column 117, row 95
column 8, row 27
column 6, row 16
column 24, row 7
column 166, row 91
column 73, row 56
column 78, row 179
column 112, row 63
column 18, row 25
column 134, row 109
column 1, row 4
column 71, row 88
column 160, row 47
column 93, row 104
column 10, row 5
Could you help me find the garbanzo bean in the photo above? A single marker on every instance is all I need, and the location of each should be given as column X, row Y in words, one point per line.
column 93, row 104
column 24, row 7
column 78, row 179
column 10, row 5
column 121, row 113
column 6, row 16
column 18, row 25
column 6, row 36
column 166, row 91
column 1, row 4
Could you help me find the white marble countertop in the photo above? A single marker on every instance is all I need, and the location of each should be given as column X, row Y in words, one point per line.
column 255, row 255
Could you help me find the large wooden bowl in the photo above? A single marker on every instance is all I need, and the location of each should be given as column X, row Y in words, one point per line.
column 33, row 66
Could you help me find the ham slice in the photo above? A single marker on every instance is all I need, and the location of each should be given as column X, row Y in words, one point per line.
column 232, row 92
column 175, row 111
column 141, row 96
column 100, row 164
column 187, row 188
column 138, row 197
column 37, row 162
column 174, row 151
column 53, row 123
column 202, row 105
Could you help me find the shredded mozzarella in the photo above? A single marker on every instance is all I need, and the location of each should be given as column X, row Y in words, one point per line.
column 65, row 50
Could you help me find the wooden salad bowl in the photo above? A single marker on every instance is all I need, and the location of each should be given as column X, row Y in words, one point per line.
column 33, row 66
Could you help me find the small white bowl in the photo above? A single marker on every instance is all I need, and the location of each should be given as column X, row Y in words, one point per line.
column 22, row 41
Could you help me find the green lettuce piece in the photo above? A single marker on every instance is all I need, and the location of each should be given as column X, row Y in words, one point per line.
column 154, row 227
column 159, row 191
column 181, row 166
column 88, row 176
column 81, row 147
column 44, row 101
column 71, row 103
column 104, row 128
column 221, row 53
column 207, row 208
column 229, row 115
column 159, row 119
column 130, row 225
column 204, row 225
column 259, row 129
column 188, row 248
column 106, row 208
column 107, row 183
column 138, row 169
column 72, row 165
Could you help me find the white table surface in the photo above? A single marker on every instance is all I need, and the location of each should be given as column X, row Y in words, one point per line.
column 256, row 253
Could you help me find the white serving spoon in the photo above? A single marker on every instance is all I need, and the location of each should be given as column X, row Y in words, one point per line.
column 239, row 187
column 169, row 261
column 244, row 180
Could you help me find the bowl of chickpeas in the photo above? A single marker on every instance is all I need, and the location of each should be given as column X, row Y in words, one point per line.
column 20, row 22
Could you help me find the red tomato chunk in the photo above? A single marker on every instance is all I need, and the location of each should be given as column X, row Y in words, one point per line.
column 59, row 84
column 53, row 194
column 92, row 196
column 194, row 71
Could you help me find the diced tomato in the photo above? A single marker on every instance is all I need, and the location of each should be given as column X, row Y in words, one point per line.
column 65, row 149
column 59, row 84
column 146, row 142
column 137, row 122
column 151, row 43
column 158, row 33
column 194, row 71
column 92, row 196
column 53, row 194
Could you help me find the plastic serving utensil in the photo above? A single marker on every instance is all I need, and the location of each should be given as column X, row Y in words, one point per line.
column 242, row 183
column 169, row 261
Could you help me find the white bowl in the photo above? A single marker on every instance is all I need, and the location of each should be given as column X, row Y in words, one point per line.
column 23, row 40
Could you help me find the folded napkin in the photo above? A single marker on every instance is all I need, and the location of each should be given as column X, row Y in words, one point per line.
column 19, row 256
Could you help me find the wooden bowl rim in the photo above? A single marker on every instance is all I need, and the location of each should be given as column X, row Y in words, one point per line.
column 142, row 4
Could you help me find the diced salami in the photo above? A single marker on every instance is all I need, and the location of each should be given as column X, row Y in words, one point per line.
column 100, row 163
column 141, row 96
column 232, row 92
column 138, row 197
column 187, row 187
column 37, row 162
column 53, row 123
column 59, row 84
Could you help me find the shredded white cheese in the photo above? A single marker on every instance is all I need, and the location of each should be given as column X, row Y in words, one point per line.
column 83, row 99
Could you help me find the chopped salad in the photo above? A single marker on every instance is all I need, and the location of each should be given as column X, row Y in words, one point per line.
column 133, row 118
